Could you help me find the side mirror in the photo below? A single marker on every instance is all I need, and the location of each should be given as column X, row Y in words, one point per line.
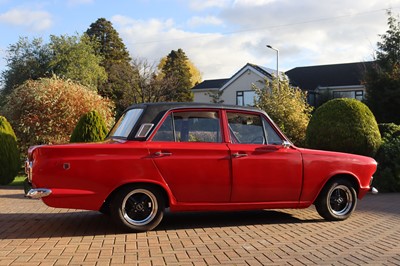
column 286, row 144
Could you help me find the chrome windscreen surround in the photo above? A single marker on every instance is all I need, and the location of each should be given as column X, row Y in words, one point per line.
column 28, row 169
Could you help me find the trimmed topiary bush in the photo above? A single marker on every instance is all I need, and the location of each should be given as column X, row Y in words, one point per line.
column 345, row 125
column 9, row 154
column 90, row 128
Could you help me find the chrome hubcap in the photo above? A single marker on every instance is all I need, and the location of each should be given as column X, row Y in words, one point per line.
column 139, row 207
column 340, row 200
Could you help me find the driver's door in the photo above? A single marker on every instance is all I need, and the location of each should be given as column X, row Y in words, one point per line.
column 263, row 170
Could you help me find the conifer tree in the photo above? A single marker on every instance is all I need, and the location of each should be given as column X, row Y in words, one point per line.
column 116, row 61
column 383, row 79
column 176, row 68
column 9, row 154
column 90, row 128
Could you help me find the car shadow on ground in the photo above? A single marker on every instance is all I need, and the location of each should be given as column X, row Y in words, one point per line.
column 87, row 223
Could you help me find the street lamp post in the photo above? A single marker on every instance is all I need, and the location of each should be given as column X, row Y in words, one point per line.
column 277, row 62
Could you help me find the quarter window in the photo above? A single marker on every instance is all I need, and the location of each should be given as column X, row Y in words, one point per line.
column 190, row 127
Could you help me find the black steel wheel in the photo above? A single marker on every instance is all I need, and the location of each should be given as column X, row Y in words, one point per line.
column 337, row 200
column 138, row 209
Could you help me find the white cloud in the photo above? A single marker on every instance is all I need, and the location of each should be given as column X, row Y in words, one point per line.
column 215, row 55
column 204, row 4
column 252, row 2
column 305, row 33
column 200, row 21
column 30, row 19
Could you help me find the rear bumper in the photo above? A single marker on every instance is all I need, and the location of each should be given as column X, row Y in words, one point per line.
column 35, row 193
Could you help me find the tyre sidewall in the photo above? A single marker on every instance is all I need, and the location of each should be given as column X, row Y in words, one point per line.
column 323, row 202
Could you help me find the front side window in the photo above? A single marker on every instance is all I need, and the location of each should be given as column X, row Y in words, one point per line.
column 190, row 127
column 126, row 123
column 251, row 129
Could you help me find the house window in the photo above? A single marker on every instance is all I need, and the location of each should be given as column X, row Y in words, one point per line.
column 245, row 98
column 359, row 94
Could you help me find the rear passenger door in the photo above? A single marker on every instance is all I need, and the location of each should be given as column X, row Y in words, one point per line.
column 188, row 150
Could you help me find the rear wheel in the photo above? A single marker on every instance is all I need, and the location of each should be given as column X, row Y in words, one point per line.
column 137, row 209
column 337, row 200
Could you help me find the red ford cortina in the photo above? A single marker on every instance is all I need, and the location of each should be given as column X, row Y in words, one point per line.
column 195, row 157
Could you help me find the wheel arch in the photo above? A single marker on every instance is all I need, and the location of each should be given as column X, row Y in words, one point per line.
column 159, row 187
column 346, row 176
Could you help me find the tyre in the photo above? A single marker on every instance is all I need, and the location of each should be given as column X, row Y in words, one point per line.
column 137, row 209
column 337, row 200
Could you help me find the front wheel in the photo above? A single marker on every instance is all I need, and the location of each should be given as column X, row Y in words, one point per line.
column 337, row 200
column 137, row 209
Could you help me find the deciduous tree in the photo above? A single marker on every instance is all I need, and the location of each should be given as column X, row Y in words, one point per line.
column 25, row 60
column 45, row 111
column 74, row 58
column 287, row 106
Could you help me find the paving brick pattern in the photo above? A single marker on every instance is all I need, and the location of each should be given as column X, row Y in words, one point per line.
column 34, row 234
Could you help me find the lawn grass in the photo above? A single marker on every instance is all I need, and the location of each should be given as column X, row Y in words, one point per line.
column 18, row 181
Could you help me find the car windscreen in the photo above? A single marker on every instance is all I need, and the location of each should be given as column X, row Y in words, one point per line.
column 125, row 124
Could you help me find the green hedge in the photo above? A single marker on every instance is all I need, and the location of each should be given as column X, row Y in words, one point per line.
column 387, row 176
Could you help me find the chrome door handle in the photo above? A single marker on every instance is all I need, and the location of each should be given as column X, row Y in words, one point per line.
column 161, row 153
column 238, row 155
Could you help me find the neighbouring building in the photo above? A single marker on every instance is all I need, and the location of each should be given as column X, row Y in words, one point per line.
column 236, row 90
column 321, row 83
column 330, row 81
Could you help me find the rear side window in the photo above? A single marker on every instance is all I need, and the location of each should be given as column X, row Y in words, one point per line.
column 190, row 127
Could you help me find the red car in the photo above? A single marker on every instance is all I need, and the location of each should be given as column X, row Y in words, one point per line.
column 195, row 157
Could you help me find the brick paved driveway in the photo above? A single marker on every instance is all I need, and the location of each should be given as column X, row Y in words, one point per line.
column 33, row 234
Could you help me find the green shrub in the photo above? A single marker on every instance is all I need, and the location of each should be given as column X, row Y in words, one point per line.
column 345, row 125
column 9, row 154
column 389, row 130
column 90, row 128
column 387, row 177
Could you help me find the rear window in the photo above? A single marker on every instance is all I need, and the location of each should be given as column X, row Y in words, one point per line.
column 126, row 123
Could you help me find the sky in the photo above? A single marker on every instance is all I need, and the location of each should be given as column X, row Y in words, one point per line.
column 218, row 36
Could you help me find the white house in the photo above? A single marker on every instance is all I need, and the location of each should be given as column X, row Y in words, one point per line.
column 236, row 90
column 320, row 82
